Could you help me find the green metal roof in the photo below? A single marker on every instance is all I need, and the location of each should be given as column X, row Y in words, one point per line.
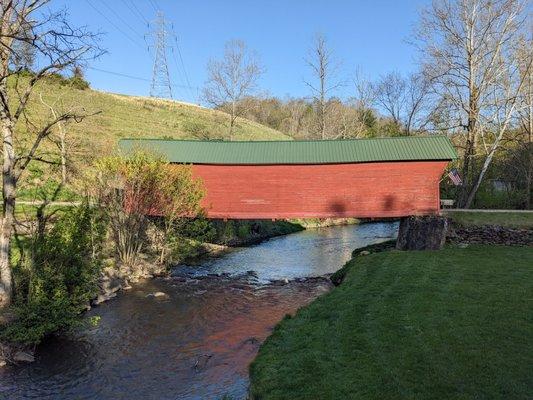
column 409, row 148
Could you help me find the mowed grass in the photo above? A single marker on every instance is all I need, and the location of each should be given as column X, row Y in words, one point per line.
column 450, row 324
column 511, row 219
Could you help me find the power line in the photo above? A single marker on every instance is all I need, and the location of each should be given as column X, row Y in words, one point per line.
column 182, row 63
column 120, row 18
column 113, row 24
column 133, row 8
column 137, row 77
column 154, row 5
column 177, row 65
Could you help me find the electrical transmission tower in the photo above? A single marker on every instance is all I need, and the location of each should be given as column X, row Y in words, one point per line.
column 160, row 86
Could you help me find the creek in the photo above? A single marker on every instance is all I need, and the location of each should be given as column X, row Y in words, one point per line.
column 197, row 340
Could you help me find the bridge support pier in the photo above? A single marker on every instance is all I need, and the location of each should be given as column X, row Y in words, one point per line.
column 422, row 233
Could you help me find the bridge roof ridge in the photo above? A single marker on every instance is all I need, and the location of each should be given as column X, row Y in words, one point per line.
column 409, row 148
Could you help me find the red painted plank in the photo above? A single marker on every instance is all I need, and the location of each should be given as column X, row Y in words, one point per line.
column 389, row 189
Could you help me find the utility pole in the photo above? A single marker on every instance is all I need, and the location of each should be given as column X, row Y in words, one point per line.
column 160, row 86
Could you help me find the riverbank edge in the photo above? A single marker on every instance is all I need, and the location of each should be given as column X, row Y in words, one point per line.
column 113, row 281
column 459, row 236
column 202, row 250
column 337, row 279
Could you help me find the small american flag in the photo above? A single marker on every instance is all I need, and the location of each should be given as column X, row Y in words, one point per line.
column 455, row 177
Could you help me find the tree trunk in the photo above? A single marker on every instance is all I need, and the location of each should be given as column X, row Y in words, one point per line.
column 468, row 158
column 528, row 190
column 8, row 213
column 470, row 148
column 529, row 150
column 233, row 118
column 473, row 191
column 63, row 154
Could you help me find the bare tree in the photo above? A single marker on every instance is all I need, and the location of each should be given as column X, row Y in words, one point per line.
column 346, row 120
column 365, row 95
column 467, row 46
column 403, row 99
column 296, row 123
column 232, row 79
column 58, row 46
column 390, row 95
column 324, row 68
column 362, row 104
column 24, row 55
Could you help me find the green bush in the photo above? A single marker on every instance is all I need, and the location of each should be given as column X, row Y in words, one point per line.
column 185, row 240
column 196, row 128
column 76, row 82
column 56, row 276
column 199, row 229
column 493, row 199
column 227, row 233
column 243, row 231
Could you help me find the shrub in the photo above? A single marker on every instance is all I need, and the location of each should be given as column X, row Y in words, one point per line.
column 243, row 231
column 227, row 233
column 492, row 199
column 78, row 82
column 56, row 276
column 196, row 128
column 129, row 189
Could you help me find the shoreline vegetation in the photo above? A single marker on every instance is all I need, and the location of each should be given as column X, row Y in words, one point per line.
column 222, row 235
column 413, row 324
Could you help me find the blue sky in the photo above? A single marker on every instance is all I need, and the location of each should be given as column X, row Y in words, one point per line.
column 369, row 35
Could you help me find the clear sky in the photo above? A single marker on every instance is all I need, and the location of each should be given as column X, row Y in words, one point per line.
column 370, row 35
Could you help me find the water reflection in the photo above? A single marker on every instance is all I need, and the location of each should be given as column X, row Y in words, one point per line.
column 309, row 253
column 198, row 342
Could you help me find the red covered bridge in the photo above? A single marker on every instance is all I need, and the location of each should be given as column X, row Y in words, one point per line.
column 382, row 177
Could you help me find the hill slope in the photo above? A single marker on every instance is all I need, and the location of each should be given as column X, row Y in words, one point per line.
column 130, row 116
column 116, row 116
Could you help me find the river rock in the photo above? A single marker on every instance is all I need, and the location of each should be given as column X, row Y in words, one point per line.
column 103, row 297
column 201, row 362
column 252, row 340
column 158, row 295
column 3, row 363
column 364, row 253
column 23, row 356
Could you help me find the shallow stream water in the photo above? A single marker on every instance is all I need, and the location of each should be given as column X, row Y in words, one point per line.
column 198, row 340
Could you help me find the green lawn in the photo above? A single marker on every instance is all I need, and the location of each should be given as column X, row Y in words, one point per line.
column 508, row 219
column 450, row 324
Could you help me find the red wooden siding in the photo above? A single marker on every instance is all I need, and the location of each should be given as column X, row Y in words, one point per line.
column 379, row 189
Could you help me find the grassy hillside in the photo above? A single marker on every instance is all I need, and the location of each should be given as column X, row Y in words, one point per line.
column 129, row 116
column 117, row 116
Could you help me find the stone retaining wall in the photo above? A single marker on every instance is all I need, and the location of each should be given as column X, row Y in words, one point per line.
column 490, row 234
